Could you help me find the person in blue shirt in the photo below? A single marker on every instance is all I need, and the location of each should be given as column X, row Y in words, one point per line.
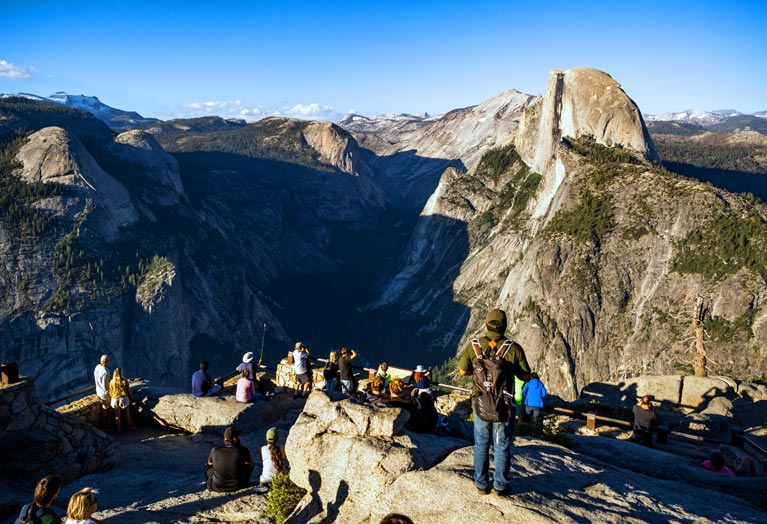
column 534, row 393
column 202, row 384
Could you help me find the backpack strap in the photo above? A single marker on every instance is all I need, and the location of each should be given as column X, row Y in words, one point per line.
column 504, row 349
column 477, row 348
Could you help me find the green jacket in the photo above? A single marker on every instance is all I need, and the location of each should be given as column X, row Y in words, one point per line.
column 515, row 356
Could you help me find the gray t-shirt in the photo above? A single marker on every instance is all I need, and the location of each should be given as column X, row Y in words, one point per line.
column 101, row 377
column 299, row 361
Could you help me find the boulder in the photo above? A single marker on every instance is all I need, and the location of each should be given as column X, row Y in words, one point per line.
column 458, row 403
column 697, row 392
column 662, row 465
column 722, row 406
column 178, row 409
column 348, row 452
column 664, row 388
column 550, row 485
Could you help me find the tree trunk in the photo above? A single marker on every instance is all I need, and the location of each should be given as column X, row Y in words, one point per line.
column 700, row 348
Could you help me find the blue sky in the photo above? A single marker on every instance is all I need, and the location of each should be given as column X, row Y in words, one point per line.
column 321, row 59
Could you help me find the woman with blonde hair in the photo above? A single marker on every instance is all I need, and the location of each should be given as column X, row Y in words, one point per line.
column 330, row 373
column 82, row 506
column 119, row 390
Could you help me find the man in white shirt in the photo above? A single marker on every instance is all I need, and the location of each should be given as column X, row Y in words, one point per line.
column 301, row 369
column 101, row 378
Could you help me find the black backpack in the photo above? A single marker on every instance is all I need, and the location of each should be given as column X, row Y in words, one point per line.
column 32, row 514
column 490, row 380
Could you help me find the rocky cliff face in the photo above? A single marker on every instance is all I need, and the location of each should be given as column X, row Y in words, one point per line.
column 158, row 264
column 52, row 155
column 597, row 256
column 395, row 234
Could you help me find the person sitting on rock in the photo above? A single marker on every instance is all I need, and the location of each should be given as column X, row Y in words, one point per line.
column 202, row 384
column 399, row 392
column 119, row 390
column 423, row 415
column 716, row 464
column 247, row 363
column 39, row 510
column 330, row 373
column 383, row 371
column 421, row 379
column 229, row 466
column 376, row 393
column 645, row 421
column 246, row 389
column 82, row 506
column 273, row 458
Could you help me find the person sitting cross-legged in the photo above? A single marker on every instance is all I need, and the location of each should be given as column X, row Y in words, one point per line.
column 274, row 460
column 246, row 389
column 229, row 466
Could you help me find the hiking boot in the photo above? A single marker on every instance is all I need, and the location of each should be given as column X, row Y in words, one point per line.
column 483, row 491
column 501, row 492
column 260, row 489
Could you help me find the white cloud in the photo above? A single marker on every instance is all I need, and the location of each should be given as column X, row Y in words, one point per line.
column 311, row 110
column 8, row 70
column 238, row 109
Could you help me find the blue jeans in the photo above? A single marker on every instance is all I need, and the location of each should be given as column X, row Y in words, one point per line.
column 502, row 434
column 330, row 384
column 534, row 412
column 347, row 386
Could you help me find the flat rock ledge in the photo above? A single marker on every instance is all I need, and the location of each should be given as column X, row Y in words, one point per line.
column 179, row 409
column 356, row 472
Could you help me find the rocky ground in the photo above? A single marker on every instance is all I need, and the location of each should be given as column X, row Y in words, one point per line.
column 359, row 465
column 159, row 477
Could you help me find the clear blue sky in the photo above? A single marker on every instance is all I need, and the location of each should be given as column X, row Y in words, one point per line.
column 323, row 58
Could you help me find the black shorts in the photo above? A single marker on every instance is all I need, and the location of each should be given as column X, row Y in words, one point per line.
column 303, row 378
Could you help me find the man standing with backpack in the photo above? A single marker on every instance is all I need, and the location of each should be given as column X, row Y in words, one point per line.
column 493, row 360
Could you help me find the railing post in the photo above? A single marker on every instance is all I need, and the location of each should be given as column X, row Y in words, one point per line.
column 591, row 420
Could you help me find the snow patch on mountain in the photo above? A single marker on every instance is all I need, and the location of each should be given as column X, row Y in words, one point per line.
column 117, row 119
column 700, row 116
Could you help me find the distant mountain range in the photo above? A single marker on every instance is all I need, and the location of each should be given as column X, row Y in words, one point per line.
column 694, row 121
column 117, row 119
column 721, row 120
column 702, row 117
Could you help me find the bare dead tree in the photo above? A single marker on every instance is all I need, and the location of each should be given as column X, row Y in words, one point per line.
column 698, row 317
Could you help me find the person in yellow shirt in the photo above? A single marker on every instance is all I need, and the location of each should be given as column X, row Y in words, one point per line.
column 119, row 390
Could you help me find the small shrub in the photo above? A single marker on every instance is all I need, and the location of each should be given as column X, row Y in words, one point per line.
column 283, row 497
